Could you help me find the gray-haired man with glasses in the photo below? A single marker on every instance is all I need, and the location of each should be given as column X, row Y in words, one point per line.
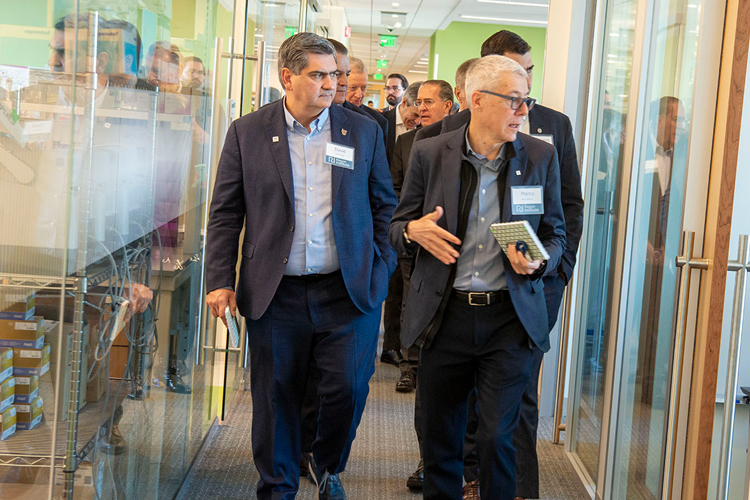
column 477, row 310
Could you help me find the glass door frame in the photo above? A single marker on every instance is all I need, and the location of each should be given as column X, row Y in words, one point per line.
column 639, row 85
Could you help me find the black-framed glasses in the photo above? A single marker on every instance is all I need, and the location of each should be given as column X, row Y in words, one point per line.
column 515, row 102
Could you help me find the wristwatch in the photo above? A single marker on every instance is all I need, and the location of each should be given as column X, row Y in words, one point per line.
column 406, row 236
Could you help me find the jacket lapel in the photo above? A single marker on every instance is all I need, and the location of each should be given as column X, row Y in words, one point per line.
column 276, row 138
column 514, row 176
column 450, row 169
column 340, row 134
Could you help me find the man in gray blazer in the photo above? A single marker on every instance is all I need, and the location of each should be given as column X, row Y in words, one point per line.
column 477, row 312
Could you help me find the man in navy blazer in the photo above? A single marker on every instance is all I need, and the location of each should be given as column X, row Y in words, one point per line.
column 310, row 182
column 477, row 313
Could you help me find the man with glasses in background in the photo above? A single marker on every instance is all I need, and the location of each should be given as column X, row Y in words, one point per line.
column 477, row 311
column 355, row 93
column 395, row 86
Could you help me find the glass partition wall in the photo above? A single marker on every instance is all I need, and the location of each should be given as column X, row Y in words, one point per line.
column 657, row 73
column 113, row 115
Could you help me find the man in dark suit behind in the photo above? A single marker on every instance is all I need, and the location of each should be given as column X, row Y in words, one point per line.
column 355, row 94
column 402, row 118
column 477, row 313
column 311, row 184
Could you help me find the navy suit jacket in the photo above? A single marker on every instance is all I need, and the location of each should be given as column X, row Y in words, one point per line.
column 254, row 185
column 434, row 180
column 544, row 121
column 390, row 141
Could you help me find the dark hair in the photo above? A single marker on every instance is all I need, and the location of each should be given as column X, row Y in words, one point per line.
column 504, row 42
column 161, row 47
column 404, row 81
column 339, row 47
column 294, row 50
column 127, row 27
column 446, row 91
column 194, row 59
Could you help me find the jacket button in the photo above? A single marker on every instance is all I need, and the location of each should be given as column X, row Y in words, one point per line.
column 285, row 260
column 439, row 293
column 291, row 228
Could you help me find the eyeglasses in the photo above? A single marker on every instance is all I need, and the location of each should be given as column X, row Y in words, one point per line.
column 427, row 102
column 515, row 102
column 393, row 89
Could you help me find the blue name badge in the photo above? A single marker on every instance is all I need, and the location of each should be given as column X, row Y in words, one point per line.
column 527, row 200
column 339, row 156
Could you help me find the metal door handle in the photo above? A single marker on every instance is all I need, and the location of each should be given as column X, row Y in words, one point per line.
column 741, row 266
column 686, row 262
column 261, row 58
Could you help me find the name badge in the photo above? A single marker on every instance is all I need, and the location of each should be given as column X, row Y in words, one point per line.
column 546, row 138
column 339, row 156
column 527, row 200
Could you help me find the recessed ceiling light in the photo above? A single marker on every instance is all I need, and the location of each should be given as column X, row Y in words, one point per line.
column 395, row 4
column 394, row 15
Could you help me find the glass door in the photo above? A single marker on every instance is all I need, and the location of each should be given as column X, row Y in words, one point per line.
column 658, row 68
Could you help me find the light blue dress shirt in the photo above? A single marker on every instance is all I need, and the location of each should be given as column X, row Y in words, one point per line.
column 480, row 266
column 313, row 244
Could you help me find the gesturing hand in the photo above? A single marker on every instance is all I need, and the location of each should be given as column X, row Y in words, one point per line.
column 522, row 265
column 433, row 238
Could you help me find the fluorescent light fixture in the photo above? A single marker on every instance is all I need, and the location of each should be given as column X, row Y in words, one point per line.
column 395, row 4
column 394, row 15
column 526, row 21
column 420, row 72
column 520, row 4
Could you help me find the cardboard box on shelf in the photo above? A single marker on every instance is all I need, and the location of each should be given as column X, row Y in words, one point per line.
column 27, row 388
column 18, row 306
column 7, row 423
column 118, row 360
column 6, row 362
column 16, row 333
column 97, row 386
column 29, row 415
column 31, row 361
column 7, row 393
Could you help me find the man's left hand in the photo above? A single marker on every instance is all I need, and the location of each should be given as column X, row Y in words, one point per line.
column 139, row 296
column 522, row 265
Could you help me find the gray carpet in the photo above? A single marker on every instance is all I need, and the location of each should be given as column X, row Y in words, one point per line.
column 383, row 455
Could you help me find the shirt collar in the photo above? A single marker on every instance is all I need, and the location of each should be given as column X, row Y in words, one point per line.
column 316, row 125
column 507, row 151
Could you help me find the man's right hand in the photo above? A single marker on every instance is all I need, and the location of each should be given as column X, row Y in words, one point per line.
column 218, row 300
column 433, row 238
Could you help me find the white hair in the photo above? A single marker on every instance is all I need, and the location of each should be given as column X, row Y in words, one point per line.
column 485, row 73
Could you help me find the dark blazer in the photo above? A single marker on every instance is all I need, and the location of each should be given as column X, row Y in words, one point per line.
column 254, row 185
column 375, row 115
column 434, row 180
column 546, row 121
column 400, row 161
column 390, row 142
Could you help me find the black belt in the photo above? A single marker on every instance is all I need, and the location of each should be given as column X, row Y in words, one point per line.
column 310, row 278
column 482, row 298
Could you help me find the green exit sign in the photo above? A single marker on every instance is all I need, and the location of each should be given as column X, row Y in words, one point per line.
column 290, row 31
column 378, row 76
column 382, row 63
column 387, row 40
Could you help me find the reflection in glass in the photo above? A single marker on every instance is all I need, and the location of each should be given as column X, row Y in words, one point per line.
column 104, row 173
column 659, row 194
column 602, row 219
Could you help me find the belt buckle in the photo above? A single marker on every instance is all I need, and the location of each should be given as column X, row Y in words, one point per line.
column 486, row 296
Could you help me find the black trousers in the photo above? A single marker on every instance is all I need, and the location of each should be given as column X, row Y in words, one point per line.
column 410, row 354
column 308, row 323
column 524, row 438
column 392, row 312
column 485, row 348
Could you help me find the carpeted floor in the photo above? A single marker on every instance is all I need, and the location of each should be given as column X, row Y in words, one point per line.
column 383, row 455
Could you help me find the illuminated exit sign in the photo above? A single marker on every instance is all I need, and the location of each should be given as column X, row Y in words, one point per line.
column 382, row 63
column 290, row 31
column 377, row 76
column 387, row 40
